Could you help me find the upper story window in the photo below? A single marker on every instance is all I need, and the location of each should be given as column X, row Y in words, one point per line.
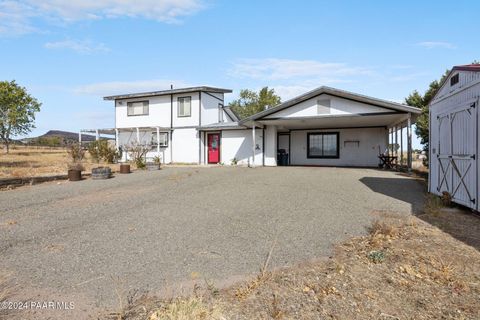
column 137, row 108
column 323, row 106
column 454, row 80
column 220, row 113
column 184, row 107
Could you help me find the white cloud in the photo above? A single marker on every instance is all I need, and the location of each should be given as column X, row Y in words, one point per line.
column 436, row 44
column 120, row 87
column 16, row 17
column 160, row 10
column 83, row 47
column 282, row 69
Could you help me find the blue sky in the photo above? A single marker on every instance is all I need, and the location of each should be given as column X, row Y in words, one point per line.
column 69, row 54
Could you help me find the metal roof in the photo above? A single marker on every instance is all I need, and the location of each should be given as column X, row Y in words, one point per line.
column 221, row 125
column 468, row 67
column 168, row 92
column 337, row 93
column 231, row 113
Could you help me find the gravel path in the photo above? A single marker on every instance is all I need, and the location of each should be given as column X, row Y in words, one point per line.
column 149, row 230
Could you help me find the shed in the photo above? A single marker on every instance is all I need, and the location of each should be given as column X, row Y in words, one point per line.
column 454, row 137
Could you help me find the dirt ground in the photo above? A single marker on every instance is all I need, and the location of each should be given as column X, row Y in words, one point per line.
column 31, row 161
column 423, row 267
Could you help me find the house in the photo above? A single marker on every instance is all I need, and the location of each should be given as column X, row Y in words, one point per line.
column 325, row 126
column 454, row 136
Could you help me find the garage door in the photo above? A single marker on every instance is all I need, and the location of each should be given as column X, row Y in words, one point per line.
column 456, row 166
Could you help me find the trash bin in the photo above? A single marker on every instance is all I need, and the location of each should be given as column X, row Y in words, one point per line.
column 282, row 157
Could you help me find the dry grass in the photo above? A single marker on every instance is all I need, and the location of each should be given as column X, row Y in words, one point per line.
column 38, row 161
column 187, row 309
column 404, row 268
column 6, row 290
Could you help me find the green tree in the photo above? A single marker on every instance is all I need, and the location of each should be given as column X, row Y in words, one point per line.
column 251, row 102
column 17, row 111
column 415, row 99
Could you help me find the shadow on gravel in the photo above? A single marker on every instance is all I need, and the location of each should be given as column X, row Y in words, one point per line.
column 405, row 189
column 460, row 223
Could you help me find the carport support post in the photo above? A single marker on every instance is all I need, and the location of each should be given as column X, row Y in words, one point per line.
column 401, row 144
column 138, row 135
column 409, row 142
column 158, row 141
column 116, row 140
column 253, row 146
column 396, row 146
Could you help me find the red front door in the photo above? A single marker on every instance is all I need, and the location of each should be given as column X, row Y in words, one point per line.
column 213, row 148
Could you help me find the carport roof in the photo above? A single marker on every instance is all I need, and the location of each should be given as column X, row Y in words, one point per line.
column 337, row 93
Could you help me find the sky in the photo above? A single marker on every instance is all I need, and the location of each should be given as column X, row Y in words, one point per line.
column 69, row 54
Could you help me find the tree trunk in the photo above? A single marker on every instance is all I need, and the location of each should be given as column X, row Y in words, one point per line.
column 6, row 146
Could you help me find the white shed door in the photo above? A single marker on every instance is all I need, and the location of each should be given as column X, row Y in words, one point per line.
column 457, row 167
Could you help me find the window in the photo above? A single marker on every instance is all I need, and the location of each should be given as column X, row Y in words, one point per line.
column 323, row 106
column 163, row 139
column 184, row 107
column 454, row 80
column 138, row 108
column 220, row 112
column 323, row 145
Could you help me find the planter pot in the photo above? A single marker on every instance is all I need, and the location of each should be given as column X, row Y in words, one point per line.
column 124, row 168
column 74, row 175
column 101, row 173
column 152, row 166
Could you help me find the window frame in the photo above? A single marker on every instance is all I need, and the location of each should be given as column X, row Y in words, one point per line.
column 154, row 137
column 221, row 116
column 178, row 107
column 129, row 103
column 454, row 79
column 336, row 156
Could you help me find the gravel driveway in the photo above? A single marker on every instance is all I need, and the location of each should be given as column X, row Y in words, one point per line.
column 151, row 230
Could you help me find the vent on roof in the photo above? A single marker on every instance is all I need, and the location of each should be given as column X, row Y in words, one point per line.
column 454, row 80
column 323, row 106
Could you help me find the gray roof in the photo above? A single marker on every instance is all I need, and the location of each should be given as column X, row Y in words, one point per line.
column 168, row 92
column 231, row 113
column 338, row 93
column 221, row 125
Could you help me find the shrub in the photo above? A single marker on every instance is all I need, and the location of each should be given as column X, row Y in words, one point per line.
column 137, row 153
column 102, row 150
column 76, row 152
column 157, row 160
column 376, row 256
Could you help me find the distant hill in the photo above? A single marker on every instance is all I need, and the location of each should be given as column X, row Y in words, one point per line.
column 68, row 135
column 58, row 138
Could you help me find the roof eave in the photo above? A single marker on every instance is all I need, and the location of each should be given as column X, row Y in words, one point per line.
column 336, row 92
column 167, row 92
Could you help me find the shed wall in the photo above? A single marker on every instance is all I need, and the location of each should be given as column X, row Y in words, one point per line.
column 465, row 141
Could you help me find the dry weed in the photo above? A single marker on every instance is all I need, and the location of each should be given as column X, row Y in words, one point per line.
column 186, row 309
column 433, row 205
column 383, row 228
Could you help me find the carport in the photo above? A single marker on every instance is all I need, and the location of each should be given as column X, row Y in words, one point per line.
column 331, row 127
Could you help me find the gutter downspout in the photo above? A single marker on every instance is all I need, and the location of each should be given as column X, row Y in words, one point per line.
column 171, row 125
column 199, row 125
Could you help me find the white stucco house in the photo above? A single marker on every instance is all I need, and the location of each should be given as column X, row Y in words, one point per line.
column 325, row 127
